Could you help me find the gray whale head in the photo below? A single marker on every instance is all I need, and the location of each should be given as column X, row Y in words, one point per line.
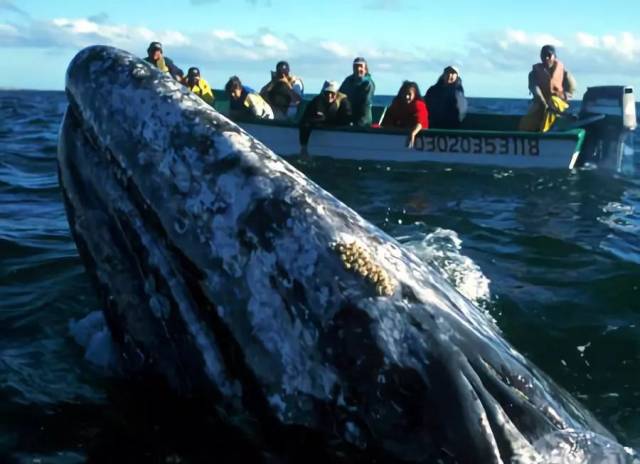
column 227, row 271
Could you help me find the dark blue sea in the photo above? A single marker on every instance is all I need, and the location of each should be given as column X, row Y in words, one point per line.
column 552, row 256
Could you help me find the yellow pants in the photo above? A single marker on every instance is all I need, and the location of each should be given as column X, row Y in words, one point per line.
column 538, row 119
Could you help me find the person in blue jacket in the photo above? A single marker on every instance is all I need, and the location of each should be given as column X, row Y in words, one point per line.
column 359, row 89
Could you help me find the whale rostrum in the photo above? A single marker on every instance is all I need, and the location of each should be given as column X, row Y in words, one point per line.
column 227, row 271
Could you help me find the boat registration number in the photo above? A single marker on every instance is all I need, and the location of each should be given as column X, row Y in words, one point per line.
column 478, row 145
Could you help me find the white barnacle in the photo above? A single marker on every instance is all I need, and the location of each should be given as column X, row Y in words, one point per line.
column 355, row 257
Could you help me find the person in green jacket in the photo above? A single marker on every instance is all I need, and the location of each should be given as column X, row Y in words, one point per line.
column 359, row 89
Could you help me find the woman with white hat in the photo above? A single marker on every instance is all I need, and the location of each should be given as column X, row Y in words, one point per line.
column 331, row 108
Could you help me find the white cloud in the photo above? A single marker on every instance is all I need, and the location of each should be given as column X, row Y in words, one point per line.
column 511, row 48
column 230, row 36
column 84, row 28
column 8, row 30
column 625, row 45
column 336, row 48
column 586, row 40
column 78, row 26
column 271, row 41
column 516, row 38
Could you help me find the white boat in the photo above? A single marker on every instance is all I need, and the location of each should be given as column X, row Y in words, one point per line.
column 602, row 135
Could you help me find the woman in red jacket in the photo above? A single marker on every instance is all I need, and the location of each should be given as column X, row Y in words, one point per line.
column 408, row 110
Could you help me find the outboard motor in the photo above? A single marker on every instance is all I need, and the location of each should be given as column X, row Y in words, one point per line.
column 609, row 138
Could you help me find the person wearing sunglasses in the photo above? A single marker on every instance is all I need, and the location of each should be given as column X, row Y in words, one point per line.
column 551, row 86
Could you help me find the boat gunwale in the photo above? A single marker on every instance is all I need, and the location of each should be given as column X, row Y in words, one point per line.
column 577, row 134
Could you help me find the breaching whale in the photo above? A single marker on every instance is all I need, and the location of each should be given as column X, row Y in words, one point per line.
column 227, row 271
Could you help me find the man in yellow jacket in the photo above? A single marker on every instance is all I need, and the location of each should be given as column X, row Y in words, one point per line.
column 199, row 86
column 552, row 86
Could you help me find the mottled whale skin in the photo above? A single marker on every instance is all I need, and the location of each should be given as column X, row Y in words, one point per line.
column 220, row 267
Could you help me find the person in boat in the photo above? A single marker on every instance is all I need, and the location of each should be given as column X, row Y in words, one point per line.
column 283, row 92
column 446, row 101
column 551, row 86
column 407, row 110
column 156, row 57
column 359, row 89
column 330, row 108
column 199, row 86
column 244, row 103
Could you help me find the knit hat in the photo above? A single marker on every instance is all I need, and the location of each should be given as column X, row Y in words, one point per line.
column 452, row 69
column 154, row 46
column 360, row 60
column 547, row 50
column 330, row 86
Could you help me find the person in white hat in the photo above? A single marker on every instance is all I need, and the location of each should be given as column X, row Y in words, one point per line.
column 331, row 108
column 446, row 101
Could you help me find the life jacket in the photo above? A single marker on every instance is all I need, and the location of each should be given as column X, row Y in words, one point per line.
column 259, row 108
column 550, row 82
column 295, row 80
column 203, row 90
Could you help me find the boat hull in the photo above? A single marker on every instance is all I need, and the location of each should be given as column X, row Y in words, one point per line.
column 494, row 148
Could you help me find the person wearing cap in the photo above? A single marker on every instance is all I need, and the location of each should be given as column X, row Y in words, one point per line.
column 407, row 111
column 199, row 86
column 330, row 108
column 244, row 103
column 156, row 57
column 283, row 92
column 359, row 89
column 551, row 86
column 446, row 101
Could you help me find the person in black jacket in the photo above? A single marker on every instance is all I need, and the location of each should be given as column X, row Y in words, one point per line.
column 156, row 57
column 331, row 108
column 446, row 101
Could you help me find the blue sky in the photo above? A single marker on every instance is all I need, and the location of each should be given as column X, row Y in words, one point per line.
column 494, row 42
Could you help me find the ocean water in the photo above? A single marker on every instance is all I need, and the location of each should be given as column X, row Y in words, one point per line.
column 552, row 256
